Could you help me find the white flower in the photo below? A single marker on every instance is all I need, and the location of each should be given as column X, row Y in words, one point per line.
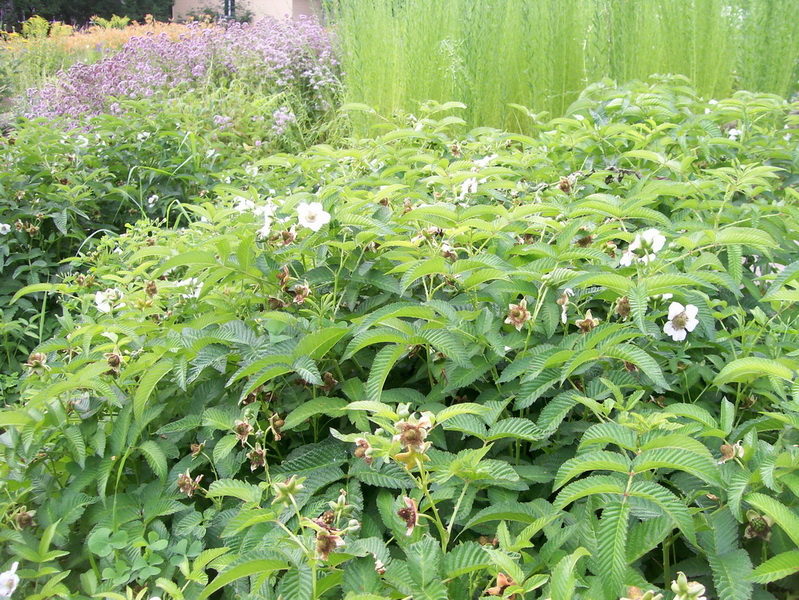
column 152, row 200
column 197, row 287
column 9, row 580
column 682, row 319
column 108, row 300
column 787, row 137
column 707, row 111
column 143, row 136
column 251, row 170
column 266, row 229
column 734, row 134
column 313, row 215
column 211, row 153
column 81, row 141
column 468, row 187
column 265, row 210
column 243, row 204
column 4, row 228
column 579, row 117
column 483, row 162
column 644, row 246
column 713, row 101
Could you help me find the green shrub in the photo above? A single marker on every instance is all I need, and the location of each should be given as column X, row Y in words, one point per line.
column 161, row 155
column 573, row 353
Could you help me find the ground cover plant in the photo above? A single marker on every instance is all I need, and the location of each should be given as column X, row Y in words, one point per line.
column 441, row 363
column 398, row 53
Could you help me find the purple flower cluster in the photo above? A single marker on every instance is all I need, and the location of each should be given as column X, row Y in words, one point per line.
column 274, row 55
column 282, row 118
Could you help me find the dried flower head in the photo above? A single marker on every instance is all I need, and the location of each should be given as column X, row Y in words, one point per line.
column 587, row 324
column 326, row 542
column 759, row 526
column 243, row 430
column 301, row 292
column 410, row 514
column 518, row 314
column 257, row 457
column 187, row 485
column 503, row 582
column 37, row 362
column 623, row 307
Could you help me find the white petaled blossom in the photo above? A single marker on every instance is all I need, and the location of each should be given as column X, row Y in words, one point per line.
column 468, row 187
column 645, row 247
column 682, row 319
column 9, row 580
column 196, row 287
column 265, row 210
column 484, row 162
column 243, row 204
column 4, row 228
column 313, row 215
column 251, row 170
column 265, row 229
column 143, row 136
column 734, row 134
column 108, row 300
column 152, row 200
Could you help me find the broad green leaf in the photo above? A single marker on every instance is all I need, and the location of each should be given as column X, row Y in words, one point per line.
column 782, row 515
column 147, row 384
column 776, row 568
column 564, row 580
column 384, row 361
column 236, row 489
column 253, row 567
column 747, row 369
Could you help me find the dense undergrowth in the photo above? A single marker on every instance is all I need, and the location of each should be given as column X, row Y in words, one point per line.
column 440, row 363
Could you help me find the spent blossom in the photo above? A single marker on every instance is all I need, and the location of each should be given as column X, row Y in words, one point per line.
column 682, row 319
column 518, row 314
column 409, row 514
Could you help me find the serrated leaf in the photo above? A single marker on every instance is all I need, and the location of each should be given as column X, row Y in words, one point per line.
column 253, row 567
column 384, row 361
column 731, row 571
column 147, row 384
column 747, row 369
column 564, row 581
column 598, row 460
column 611, row 555
column 236, row 489
column 464, row 558
column 331, row 407
column 155, row 458
column 776, row 568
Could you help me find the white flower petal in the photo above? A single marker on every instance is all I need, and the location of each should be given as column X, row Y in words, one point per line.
column 691, row 311
column 691, row 324
column 626, row 258
column 675, row 308
column 668, row 328
column 679, row 335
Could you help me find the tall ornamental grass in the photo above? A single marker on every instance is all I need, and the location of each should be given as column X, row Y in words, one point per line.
column 490, row 54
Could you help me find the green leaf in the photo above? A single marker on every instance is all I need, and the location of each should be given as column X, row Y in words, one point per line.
column 424, row 560
column 147, row 384
column 430, row 266
column 74, row 439
column 564, row 580
column 777, row 567
column 316, row 345
column 747, row 369
column 381, row 367
column 642, row 360
column 253, row 567
column 599, row 460
column 237, row 489
column 464, row 558
column 155, row 458
column 331, row 407
column 782, row 515
column 611, row 555
column 681, row 459
column 514, row 427
column 731, row 571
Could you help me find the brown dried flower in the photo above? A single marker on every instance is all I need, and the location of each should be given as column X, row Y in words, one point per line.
column 243, row 430
column 301, row 292
column 503, row 582
column 187, row 485
column 410, row 514
column 586, row 325
column 518, row 314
